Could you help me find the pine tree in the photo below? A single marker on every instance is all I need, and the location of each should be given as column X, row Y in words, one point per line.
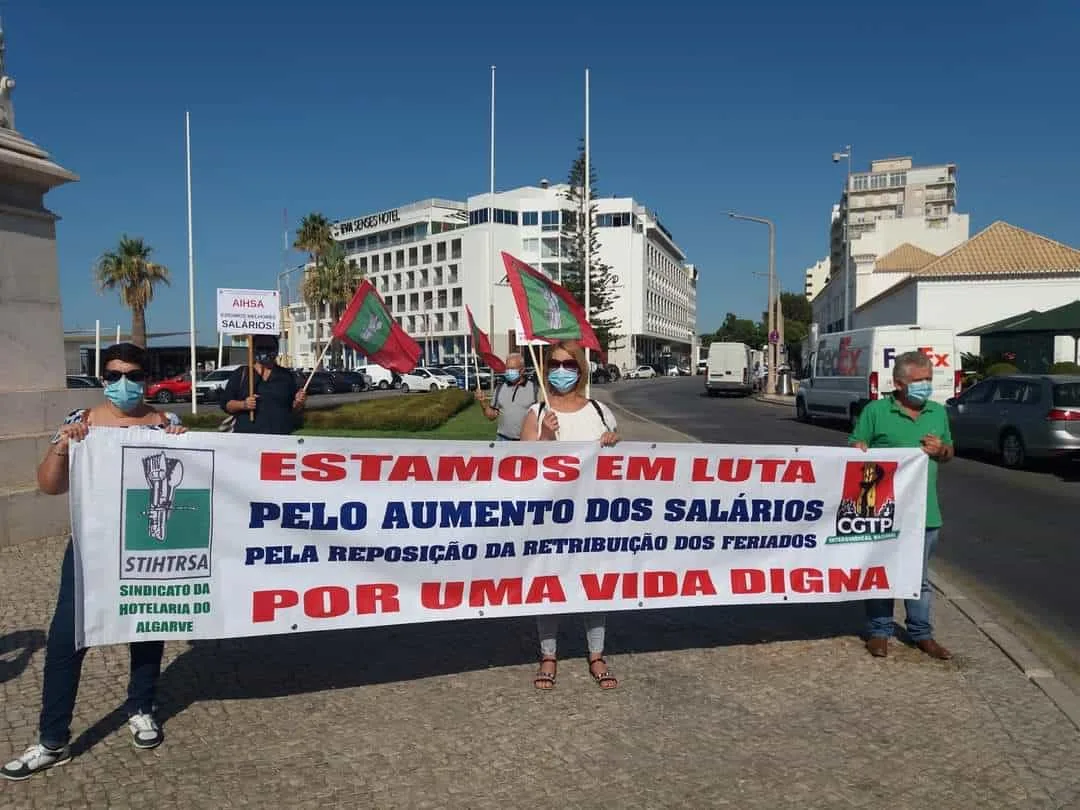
column 602, row 289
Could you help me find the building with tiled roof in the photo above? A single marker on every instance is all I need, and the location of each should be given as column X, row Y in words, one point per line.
column 1000, row 271
column 895, row 204
column 907, row 258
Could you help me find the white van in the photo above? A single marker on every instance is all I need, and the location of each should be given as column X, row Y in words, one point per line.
column 728, row 369
column 846, row 370
column 379, row 377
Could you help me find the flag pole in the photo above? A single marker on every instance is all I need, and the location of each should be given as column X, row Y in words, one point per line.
column 539, row 371
column 588, row 238
column 191, row 263
column 491, row 228
column 318, row 362
column 220, row 347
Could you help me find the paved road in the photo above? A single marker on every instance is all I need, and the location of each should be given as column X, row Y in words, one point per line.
column 1011, row 536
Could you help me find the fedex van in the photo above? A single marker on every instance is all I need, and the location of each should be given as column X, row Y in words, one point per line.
column 846, row 370
column 728, row 369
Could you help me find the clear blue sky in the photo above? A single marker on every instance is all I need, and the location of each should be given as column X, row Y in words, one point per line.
column 697, row 108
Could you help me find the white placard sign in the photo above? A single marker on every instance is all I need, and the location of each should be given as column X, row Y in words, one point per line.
column 248, row 312
column 519, row 335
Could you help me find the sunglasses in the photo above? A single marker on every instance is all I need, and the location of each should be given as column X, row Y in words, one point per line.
column 135, row 375
column 569, row 365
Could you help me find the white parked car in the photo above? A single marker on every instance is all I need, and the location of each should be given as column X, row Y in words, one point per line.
column 209, row 387
column 424, row 379
column 642, row 373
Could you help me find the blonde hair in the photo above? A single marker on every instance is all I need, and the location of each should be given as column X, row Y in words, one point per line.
column 575, row 350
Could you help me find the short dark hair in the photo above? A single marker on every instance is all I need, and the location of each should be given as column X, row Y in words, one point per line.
column 265, row 342
column 125, row 353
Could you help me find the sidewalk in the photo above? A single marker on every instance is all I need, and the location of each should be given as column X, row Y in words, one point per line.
column 777, row 399
column 745, row 708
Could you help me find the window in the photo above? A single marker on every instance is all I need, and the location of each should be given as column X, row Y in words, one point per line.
column 427, row 254
column 1067, row 395
column 363, row 264
column 478, row 217
column 451, row 274
column 530, row 246
column 374, row 264
column 898, row 179
column 455, row 249
column 530, row 218
column 440, row 252
column 438, row 276
column 613, row 220
column 879, row 181
column 400, row 258
column 504, row 217
column 549, row 221
column 414, row 257
column 860, row 182
column 455, row 297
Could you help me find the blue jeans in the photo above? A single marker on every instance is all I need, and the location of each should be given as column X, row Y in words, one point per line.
column 63, row 666
column 879, row 612
column 500, row 438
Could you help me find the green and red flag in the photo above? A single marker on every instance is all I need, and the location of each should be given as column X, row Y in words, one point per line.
column 547, row 310
column 482, row 346
column 367, row 327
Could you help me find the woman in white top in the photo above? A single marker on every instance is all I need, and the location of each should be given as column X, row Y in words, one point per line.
column 569, row 416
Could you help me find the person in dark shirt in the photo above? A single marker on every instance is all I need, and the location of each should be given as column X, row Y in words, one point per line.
column 277, row 401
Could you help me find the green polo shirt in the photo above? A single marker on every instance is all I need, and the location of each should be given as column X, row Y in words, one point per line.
column 885, row 423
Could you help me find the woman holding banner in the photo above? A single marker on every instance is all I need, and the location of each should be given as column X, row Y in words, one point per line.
column 124, row 377
column 567, row 415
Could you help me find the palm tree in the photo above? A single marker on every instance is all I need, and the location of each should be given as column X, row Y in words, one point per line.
column 313, row 236
column 129, row 269
column 328, row 286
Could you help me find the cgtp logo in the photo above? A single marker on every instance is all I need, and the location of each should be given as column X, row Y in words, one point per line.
column 936, row 360
column 868, row 503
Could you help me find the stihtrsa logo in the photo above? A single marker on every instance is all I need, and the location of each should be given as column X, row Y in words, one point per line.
column 867, row 510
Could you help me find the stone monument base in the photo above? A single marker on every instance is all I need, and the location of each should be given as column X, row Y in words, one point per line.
column 28, row 420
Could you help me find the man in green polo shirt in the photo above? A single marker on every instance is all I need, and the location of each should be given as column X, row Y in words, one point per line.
column 908, row 418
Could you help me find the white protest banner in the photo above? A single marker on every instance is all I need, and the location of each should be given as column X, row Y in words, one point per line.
column 519, row 334
column 248, row 312
column 211, row 535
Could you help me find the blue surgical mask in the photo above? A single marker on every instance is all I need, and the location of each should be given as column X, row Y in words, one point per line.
column 512, row 375
column 562, row 379
column 919, row 392
column 125, row 394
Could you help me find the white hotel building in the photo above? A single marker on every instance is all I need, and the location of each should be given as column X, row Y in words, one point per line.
column 430, row 259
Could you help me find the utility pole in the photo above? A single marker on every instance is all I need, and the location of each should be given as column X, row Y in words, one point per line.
column 772, row 355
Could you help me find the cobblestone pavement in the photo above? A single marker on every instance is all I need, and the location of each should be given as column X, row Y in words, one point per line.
column 768, row 707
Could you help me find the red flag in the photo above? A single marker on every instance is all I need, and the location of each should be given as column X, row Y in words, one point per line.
column 482, row 346
column 369, row 328
column 547, row 310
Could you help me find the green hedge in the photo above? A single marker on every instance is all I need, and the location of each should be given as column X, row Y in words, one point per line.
column 1065, row 367
column 409, row 412
column 412, row 412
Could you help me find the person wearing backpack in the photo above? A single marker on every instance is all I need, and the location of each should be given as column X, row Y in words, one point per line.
column 570, row 416
column 512, row 400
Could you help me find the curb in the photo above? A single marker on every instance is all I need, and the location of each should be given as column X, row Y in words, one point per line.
column 1014, row 649
column 768, row 401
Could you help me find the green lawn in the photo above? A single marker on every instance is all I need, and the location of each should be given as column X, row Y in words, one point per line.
column 469, row 425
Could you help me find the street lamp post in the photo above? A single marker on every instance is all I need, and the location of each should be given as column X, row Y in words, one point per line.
column 773, row 354
column 837, row 157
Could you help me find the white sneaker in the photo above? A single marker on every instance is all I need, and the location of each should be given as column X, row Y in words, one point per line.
column 145, row 731
column 35, row 758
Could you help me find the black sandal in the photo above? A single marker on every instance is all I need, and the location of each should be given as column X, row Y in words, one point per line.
column 605, row 679
column 545, row 681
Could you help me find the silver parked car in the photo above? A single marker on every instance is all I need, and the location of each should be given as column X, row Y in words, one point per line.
column 1019, row 417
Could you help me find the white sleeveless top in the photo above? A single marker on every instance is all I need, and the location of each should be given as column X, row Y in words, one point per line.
column 584, row 425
